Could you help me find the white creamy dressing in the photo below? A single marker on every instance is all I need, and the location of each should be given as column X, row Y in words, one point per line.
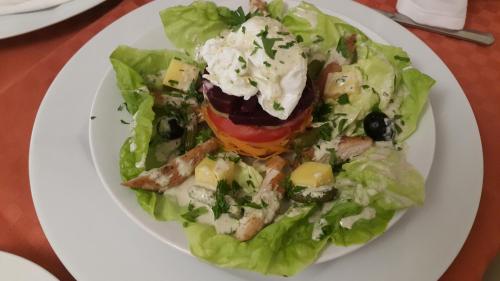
column 321, row 150
column 184, row 168
column 239, row 64
column 158, row 177
column 368, row 213
column 308, row 15
column 315, row 192
column 221, row 166
column 318, row 229
column 226, row 224
column 181, row 194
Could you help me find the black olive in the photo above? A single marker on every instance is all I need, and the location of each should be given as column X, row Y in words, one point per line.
column 169, row 128
column 378, row 126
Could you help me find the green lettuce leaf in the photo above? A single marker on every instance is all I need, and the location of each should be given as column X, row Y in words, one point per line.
column 161, row 207
column 382, row 175
column 189, row 26
column 362, row 230
column 277, row 9
column 417, row 86
column 149, row 65
column 284, row 247
column 135, row 149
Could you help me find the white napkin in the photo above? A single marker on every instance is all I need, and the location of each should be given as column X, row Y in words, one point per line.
column 441, row 13
column 23, row 6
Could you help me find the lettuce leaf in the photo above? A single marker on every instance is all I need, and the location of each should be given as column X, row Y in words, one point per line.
column 135, row 149
column 189, row 26
column 382, row 175
column 417, row 86
column 277, row 9
column 149, row 65
column 362, row 231
column 283, row 248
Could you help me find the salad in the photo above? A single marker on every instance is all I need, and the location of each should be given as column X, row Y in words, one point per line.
column 269, row 134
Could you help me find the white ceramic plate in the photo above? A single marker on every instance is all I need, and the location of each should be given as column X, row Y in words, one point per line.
column 107, row 135
column 16, row 24
column 16, row 268
column 96, row 241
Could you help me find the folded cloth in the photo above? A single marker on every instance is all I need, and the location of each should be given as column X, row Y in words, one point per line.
column 441, row 13
column 24, row 6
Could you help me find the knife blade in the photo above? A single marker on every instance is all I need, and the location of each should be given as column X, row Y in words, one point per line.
column 483, row 38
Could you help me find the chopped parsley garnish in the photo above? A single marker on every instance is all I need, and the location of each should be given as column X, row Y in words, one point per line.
column 243, row 62
column 124, row 122
column 365, row 86
column 282, row 62
column 299, row 39
column 400, row 58
column 342, row 125
column 173, row 82
column 237, row 71
column 343, row 99
column 92, row 117
column 257, row 46
column 203, row 135
column 177, row 58
column 267, row 64
column 252, row 205
column 283, row 33
column 234, row 18
column 263, row 203
column 243, row 29
column 287, row 45
column 221, row 206
column 290, row 188
column 304, row 55
column 277, row 106
column 121, row 106
column 325, row 132
column 268, row 43
column 253, row 83
column 321, row 112
column 318, row 39
column 344, row 50
column 193, row 213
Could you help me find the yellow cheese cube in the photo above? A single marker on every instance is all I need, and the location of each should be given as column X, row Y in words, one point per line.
column 312, row 174
column 209, row 172
column 345, row 82
column 180, row 75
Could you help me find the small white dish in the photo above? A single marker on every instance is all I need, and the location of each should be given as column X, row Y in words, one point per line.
column 16, row 268
column 17, row 24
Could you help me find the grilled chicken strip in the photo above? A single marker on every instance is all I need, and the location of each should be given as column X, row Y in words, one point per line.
column 353, row 146
column 174, row 172
column 269, row 195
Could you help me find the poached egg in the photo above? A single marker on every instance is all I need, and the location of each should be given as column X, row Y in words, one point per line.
column 260, row 58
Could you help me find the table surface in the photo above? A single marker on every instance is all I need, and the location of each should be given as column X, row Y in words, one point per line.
column 30, row 62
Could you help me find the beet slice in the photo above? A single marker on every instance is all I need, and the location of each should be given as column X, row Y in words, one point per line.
column 250, row 112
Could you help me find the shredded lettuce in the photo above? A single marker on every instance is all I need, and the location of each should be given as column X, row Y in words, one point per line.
column 382, row 175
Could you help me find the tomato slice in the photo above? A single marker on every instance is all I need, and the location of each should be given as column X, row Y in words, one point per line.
column 254, row 133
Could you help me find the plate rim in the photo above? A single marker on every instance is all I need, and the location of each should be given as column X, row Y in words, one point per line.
column 478, row 176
